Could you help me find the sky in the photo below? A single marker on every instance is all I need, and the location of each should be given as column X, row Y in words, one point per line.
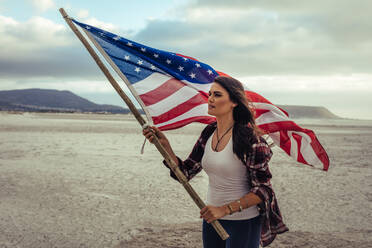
column 314, row 53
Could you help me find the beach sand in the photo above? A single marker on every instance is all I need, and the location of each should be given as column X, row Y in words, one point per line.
column 79, row 180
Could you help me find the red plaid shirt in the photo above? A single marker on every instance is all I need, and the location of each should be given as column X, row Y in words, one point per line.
column 259, row 174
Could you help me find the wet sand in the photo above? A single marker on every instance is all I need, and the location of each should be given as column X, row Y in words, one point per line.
column 78, row 180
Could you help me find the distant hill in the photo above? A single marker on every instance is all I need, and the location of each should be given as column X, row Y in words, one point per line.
column 308, row 112
column 45, row 100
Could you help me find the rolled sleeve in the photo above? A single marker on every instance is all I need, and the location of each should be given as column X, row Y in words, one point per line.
column 260, row 174
column 188, row 167
column 192, row 165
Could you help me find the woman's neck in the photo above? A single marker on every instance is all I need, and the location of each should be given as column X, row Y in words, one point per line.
column 224, row 122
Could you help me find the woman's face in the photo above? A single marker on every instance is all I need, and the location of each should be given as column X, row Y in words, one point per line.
column 219, row 103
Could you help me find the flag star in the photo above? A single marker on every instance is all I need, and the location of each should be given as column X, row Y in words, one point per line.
column 127, row 57
column 156, row 55
column 129, row 44
column 185, row 59
column 137, row 69
column 180, row 68
column 197, row 65
column 169, row 61
column 116, row 38
column 143, row 49
column 192, row 75
column 153, row 67
column 140, row 62
column 102, row 34
column 210, row 72
column 87, row 27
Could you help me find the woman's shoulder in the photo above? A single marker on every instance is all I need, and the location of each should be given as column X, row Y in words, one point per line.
column 208, row 129
column 211, row 125
column 262, row 141
column 207, row 132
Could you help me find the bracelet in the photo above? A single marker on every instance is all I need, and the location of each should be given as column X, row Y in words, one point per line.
column 230, row 208
column 240, row 206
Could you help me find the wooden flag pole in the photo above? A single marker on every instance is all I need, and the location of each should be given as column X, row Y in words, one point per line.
column 172, row 164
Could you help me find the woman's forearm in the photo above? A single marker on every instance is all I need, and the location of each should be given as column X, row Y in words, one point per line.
column 211, row 213
column 244, row 202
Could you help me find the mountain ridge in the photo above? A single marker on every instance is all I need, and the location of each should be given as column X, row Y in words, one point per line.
column 48, row 100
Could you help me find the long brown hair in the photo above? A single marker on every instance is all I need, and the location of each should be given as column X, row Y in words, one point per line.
column 245, row 131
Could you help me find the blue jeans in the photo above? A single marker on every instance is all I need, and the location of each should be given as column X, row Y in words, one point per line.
column 243, row 234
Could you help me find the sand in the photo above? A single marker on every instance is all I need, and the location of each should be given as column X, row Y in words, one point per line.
column 79, row 180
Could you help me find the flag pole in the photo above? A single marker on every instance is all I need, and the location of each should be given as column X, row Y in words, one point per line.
column 172, row 164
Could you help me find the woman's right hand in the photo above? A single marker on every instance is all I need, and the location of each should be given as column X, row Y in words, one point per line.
column 151, row 131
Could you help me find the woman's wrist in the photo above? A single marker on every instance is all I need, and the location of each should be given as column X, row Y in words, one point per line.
column 227, row 209
column 233, row 207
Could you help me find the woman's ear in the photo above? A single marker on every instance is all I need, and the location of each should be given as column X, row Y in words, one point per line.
column 234, row 105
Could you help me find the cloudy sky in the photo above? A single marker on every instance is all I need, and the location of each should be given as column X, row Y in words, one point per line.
column 316, row 53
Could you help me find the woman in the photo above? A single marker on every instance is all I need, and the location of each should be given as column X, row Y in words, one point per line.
column 235, row 157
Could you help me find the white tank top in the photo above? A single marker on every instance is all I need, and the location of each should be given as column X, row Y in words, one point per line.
column 228, row 180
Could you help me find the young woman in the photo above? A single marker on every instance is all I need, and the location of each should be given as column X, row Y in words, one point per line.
column 235, row 158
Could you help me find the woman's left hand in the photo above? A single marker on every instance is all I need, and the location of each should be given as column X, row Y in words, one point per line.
column 211, row 213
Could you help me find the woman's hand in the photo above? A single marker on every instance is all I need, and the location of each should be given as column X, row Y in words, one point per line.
column 211, row 213
column 151, row 131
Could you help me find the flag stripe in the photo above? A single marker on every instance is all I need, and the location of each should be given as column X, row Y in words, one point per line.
column 275, row 113
column 186, row 121
column 150, row 83
column 199, row 110
column 298, row 138
column 259, row 112
column 182, row 95
column 294, row 145
column 180, row 109
column 254, row 97
column 306, row 152
column 163, row 91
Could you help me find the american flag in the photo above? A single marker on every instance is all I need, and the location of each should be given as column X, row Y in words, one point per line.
column 173, row 91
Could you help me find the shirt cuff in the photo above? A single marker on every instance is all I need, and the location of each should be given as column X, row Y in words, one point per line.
column 171, row 172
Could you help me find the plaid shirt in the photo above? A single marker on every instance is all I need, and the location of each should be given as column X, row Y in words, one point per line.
column 259, row 174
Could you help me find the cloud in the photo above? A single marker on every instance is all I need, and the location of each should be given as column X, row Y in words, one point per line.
column 36, row 33
column 43, row 5
column 354, row 83
column 241, row 38
column 270, row 37
column 102, row 25
column 41, row 48
column 342, row 20
column 82, row 14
